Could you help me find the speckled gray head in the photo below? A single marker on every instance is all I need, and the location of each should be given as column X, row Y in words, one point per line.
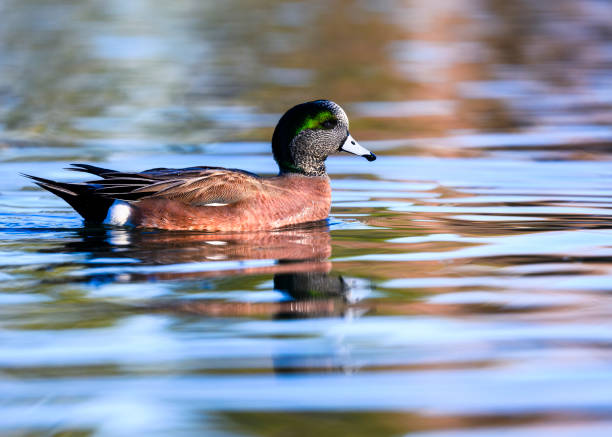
column 308, row 133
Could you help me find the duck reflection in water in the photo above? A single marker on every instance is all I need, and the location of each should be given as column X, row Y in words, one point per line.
column 297, row 257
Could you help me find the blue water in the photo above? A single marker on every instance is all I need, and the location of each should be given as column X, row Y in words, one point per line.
column 461, row 286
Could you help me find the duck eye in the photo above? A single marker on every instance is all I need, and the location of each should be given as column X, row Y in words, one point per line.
column 329, row 124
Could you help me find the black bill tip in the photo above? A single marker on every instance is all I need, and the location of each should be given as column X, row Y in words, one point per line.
column 371, row 157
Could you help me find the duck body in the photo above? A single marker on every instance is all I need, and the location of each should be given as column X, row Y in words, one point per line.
column 218, row 199
column 271, row 203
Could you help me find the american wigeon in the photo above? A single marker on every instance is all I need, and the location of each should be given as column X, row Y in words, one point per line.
column 220, row 199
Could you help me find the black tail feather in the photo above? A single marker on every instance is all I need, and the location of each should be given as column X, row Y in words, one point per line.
column 92, row 207
column 92, row 169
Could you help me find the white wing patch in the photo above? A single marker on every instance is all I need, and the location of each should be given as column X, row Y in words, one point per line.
column 118, row 214
column 216, row 243
column 216, row 204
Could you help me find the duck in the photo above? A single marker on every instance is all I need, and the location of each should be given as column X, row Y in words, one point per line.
column 217, row 199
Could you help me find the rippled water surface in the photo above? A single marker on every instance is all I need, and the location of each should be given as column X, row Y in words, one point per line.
column 461, row 285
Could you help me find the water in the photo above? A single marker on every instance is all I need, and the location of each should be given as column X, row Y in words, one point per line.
column 461, row 285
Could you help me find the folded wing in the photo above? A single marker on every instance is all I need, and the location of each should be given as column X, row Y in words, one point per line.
column 194, row 186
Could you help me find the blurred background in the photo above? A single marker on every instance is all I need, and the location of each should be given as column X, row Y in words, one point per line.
column 460, row 287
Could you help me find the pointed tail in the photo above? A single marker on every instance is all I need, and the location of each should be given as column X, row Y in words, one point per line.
column 82, row 197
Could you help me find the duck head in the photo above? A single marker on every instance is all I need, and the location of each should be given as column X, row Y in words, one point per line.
column 308, row 133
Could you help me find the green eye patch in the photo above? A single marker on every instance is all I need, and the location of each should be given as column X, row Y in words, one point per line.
column 315, row 122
